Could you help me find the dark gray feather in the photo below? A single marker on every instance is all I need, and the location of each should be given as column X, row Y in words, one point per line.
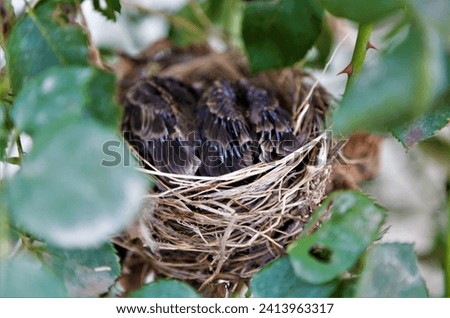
column 159, row 121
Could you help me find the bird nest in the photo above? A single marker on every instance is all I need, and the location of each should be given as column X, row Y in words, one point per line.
column 203, row 229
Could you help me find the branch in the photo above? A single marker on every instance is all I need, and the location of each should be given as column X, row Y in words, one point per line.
column 94, row 53
column 359, row 53
column 447, row 261
column 5, row 247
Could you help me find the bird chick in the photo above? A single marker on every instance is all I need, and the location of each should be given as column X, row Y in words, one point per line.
column 159, row 121
column 227, row 143
column 269, row 122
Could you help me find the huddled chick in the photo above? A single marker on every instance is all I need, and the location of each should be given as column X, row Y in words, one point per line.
column 229, row 126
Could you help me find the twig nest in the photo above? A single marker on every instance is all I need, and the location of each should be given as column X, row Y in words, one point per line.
column 203, row 229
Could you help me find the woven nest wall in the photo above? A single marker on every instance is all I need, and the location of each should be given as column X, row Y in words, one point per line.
column 205, row 229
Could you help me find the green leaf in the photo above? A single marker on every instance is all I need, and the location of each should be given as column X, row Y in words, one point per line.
column 165, row 288
column 423, row 128
column 76, row 188
column 279, row 33
column 362, row 11
column 86, row 272
column 42, row 39
column 278, row 280
column 429, row 124
column 109, row 8
column 24, row 276
column 400, row 88
column 437, row 147
column 63, row 94
column 336, row 246
column 323, row 46
column 100, row 94
column 391, row 271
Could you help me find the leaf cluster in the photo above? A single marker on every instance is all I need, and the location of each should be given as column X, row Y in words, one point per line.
column 66, row 202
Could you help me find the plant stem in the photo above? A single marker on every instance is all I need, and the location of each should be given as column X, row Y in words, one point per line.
column 447, row 261
column 94, row 52
column 359, row 53
column 200, row 15
column 5, row 247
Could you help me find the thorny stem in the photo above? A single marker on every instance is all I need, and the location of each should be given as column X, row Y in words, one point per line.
column 359, row 53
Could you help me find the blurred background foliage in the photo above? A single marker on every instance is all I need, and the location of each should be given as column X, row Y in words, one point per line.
column 59, row 206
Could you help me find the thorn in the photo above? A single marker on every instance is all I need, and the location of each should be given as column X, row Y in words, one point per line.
column 347, row 70
column 371, row 46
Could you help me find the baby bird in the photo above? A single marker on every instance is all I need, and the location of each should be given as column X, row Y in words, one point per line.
column 232, row 126
column 269, row 122
column 159, row 121
column 227, row 143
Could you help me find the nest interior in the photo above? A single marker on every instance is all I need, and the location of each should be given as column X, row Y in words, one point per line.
column 207, row 229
